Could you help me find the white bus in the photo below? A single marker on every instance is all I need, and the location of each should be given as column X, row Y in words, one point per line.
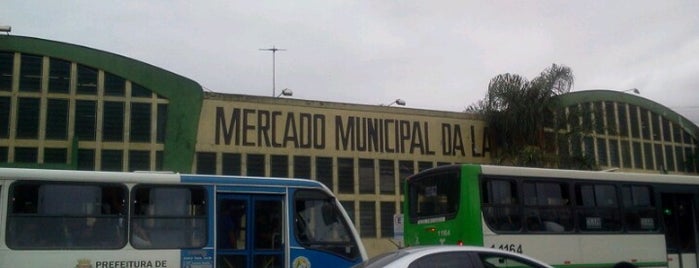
column 563, row 217
column 87, row 219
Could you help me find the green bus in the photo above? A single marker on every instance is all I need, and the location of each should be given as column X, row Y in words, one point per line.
column 566, row 218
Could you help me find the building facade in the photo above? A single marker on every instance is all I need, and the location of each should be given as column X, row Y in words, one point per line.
column 625, row 132
column 71, row 107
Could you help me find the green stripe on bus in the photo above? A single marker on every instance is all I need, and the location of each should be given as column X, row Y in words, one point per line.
column 470, row 209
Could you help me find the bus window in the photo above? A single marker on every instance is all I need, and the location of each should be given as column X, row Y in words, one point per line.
column 168, row 217
column 547, row 207
column 640, row 213
column 46, row 215
column 435, row 195
column 500, row 207
column 319, row 224
column 598, row 208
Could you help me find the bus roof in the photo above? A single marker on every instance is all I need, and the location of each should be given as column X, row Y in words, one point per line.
column 81, row 175
column 250, row 181
column 589, row 175
column 150, row 177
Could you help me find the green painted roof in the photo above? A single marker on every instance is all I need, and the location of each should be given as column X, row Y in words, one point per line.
column 585, row 96
column 184, row 95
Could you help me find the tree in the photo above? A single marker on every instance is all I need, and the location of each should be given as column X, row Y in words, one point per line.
column 516, row 110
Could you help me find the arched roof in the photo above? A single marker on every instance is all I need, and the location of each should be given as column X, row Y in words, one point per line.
column 576, row 97
column 184, row 95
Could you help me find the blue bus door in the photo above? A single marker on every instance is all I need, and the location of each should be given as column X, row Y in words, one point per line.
column 249, row 230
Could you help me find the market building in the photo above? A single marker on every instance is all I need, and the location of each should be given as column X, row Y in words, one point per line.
column 68, row 106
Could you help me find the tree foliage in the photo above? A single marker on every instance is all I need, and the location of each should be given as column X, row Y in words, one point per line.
column 515, row 110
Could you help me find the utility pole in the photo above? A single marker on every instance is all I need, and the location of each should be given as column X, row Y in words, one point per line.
column 274, row 79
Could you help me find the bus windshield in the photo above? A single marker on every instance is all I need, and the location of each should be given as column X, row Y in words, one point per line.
column 433, row 196
column 321, row 225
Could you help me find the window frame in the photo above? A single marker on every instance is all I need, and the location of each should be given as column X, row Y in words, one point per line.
column 139, row 215
column 90, row 218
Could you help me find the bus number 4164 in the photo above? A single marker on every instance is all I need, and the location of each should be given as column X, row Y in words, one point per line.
column 510, row 247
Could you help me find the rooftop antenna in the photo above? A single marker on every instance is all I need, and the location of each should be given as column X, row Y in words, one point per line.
column 274, row 79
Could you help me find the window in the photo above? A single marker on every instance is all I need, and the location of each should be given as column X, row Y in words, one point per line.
column 231, row 164
column 26, row 155
column 614, row 153
column 256, row 165
column 598, row 208
column 232, row 224
column 405, row 169
column 677, row 133
column 598, row 110
column 86, row 159
column 56, row 155
column 113, row 85
column 279, row 166
column 139, row 91
column 113, row 121
column 140, row 122
column 547, row 207
column 667, row 129
column 654, row 118
column 139, row 160
column 6, row 64
column 60, row 216
column 669, row 159
column 645, row 124
column 446, row 259
column 621, row 118
column 57, row 119
column 206, row 163
column 59, row 76
column 349, row 208
column 85, row 119
column 648, row 156
column 319, row 224
column 626, row 154
column 87, row 80
column 387, row 177
column 168, row 217
column 423, row 165
column 5, row 106
column 500, row 205
column 3, row 154
column 366, row 176
column 637, row 155
column 162, row 123
column 112, row 160
column 28, row 118
column 388, row 209
column 302, row 167
column 30, row 73
column 324, row 171
column 633, row 121
column 602, row 152
column 640, row 213
column 611, row 118
column 434, row 195
column 345, row 175
column 659, row 158
column 367, row 216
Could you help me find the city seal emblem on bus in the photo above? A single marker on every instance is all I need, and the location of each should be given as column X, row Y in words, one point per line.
column 301, row 262
column 83, row 263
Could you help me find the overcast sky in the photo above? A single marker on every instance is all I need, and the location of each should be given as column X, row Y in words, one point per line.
column 433, row 54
